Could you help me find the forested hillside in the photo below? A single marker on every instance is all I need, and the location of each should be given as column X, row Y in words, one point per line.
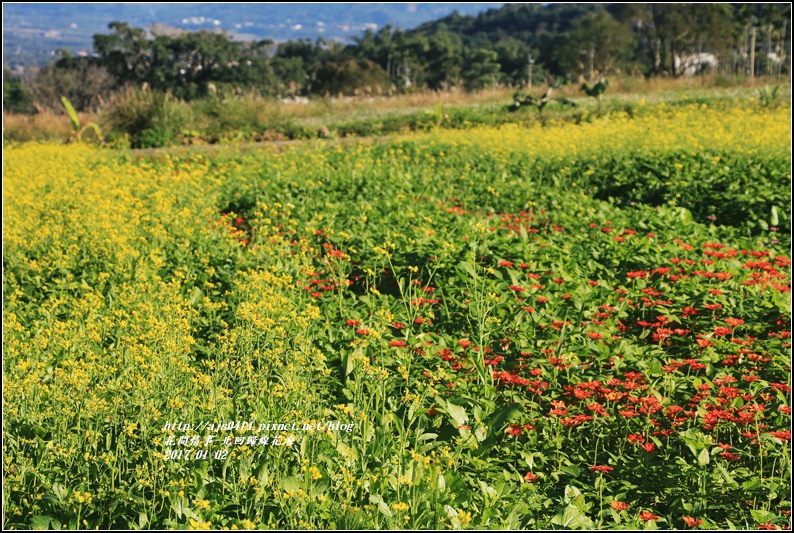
column 560, row 42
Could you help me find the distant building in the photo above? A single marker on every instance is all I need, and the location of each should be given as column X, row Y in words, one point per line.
column 694, row 64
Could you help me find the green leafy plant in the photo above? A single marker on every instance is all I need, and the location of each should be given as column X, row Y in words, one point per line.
column 77, row 130
column 768, row 97
column 596, row 91
column 521, row 99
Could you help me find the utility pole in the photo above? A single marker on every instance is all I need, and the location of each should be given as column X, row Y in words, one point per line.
column 530, row 62
column 781, row 46
column 752, row 52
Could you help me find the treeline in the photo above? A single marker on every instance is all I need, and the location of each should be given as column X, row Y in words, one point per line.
column 563, row 42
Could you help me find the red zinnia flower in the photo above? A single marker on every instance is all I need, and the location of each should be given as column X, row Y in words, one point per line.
column 601, row 468
column 649, row 447
column 531, row 477
column 647, row 515
column 636, row 439
column 352, row 323
column 691, row 522
column 397, row 344
column 464, row 343
column 515, row 430
column 782, row 435
column 620, row 506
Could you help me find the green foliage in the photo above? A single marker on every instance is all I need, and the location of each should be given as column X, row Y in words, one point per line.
column 351, row 77
column 72, row 113
column 605, row 43
column 596, row 91
column 769, row 97
column 521, row 99
column 16, row 95
column 150, row 118
column 77, row 131
column 723, row 188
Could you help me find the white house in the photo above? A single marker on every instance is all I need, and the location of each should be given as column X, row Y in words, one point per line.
column 694, row 64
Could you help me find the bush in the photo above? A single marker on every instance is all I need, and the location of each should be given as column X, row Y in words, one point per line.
column 16, row 96
column 151, row 119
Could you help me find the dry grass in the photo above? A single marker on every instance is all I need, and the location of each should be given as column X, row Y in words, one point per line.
column 43, row 126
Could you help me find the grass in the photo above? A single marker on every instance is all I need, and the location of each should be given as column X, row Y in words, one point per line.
column 249, row 117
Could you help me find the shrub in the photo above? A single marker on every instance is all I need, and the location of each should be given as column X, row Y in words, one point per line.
column 151, row 119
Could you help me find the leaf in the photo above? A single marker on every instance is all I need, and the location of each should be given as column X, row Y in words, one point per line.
column 40, row 522
column 457, row 413
column 573, row 494
column 571, row 517
column 382, row 507
column 291, row 483
column 196, row 296
column 704, row 457
column 467, row 268
column 97, row 130
column 726, row 475
column 573, row 470
column 775, row 220
column 651, row 525
column 72, row 113
column 761, row 516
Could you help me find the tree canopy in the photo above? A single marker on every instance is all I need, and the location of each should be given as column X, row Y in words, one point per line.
column 574, row 42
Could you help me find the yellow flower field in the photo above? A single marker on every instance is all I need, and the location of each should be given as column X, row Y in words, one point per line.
column 377, row 284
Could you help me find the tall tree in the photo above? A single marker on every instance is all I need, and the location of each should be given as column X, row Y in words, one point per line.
column 596, row 45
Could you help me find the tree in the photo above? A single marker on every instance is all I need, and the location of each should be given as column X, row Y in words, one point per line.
column 351, row 77
column 299, row 62
column 444, row 60
column 125, row 52
column 16, row 96
column 481, row 68
column 596, row 45
column 83, row 80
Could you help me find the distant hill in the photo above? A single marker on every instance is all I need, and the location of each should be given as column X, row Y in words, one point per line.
column 529, row 23
column 32, row 32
